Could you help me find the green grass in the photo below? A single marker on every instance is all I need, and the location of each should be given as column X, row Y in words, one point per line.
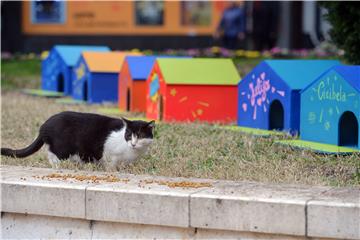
column 25, row 73
column 186, row 150
column 20, row 73
column 179, row 149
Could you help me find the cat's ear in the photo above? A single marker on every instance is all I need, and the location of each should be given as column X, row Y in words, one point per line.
column 125, row 121
column 151, row 125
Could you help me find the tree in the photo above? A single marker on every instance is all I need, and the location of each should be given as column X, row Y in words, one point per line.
column 345, row 33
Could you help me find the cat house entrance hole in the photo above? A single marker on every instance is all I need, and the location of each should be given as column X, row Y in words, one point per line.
column 276, row 116
column 348, row 130
column 161, row 108
column 128, row 99
column 60, row 83
column 85, row 91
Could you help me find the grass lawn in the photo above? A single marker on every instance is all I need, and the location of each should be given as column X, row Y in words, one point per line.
column 186, row 150
column 20, row 73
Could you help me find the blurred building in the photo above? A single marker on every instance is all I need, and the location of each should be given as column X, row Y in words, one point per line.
column 38, row 25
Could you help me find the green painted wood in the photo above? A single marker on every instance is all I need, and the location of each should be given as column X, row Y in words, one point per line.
column 199, row 71
column 254, row 131
column 317, row 147
column 43, row 93
column 69, row 101
column 108, row 110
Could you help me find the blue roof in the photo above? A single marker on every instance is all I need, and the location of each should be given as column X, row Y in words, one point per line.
column 71, row 53
column 140, row 66
column 300, row 73
column 351, row 74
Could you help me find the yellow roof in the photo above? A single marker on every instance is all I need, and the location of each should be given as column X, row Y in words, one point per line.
column 106, row 61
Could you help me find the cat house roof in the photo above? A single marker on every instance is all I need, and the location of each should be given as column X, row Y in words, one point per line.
column 71, row 53
column 351, row 74
column 198, row 71
column 105, row 61
column 298, row 74
column 140, row 66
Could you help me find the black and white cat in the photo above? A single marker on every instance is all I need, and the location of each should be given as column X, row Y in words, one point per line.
column 85, row 137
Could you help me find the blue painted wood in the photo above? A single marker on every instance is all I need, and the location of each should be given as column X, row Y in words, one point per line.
column 94, row 87
column 103, row 87
column 276, row 80
column 56, row 72
column 326, row 100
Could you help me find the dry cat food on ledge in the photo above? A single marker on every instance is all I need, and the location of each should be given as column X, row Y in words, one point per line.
column 82, row 178
column 181, row 184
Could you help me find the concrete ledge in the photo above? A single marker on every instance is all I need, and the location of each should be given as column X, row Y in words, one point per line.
column 335, row 214
column 172, row 207
column 252, row 207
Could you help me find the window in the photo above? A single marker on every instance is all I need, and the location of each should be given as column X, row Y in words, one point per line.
column 149, row 13
column 48, row 12
column 195, row 13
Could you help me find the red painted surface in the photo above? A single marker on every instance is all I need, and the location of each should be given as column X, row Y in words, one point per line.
column 209, row 103
column 137, row 92
column 124, row 84
column 138, row 97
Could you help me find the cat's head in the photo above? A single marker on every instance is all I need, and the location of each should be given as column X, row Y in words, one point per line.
column 138, row 134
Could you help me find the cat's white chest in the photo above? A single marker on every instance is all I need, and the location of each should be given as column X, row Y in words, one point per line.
column 117, row 150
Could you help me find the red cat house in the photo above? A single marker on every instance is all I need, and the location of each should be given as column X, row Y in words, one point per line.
column 132, row 83
column 181, row 89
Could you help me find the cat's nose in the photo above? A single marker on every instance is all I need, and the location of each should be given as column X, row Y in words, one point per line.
column 133, row 144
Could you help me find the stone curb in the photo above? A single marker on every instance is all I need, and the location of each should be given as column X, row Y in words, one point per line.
column 322, row 212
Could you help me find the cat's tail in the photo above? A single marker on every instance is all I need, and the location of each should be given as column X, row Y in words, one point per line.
column 21, row 153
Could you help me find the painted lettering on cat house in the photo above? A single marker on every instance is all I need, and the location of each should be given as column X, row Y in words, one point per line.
column 57, row 67
column 96, row 76
column 269, row 95
column 180, row 89
column 330, row 107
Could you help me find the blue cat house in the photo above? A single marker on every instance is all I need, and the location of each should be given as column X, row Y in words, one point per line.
column 96, row 76
column 330, row 108
column 56, row 68
column 269, row 96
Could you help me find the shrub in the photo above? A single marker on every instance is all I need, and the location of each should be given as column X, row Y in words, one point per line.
column 345, row 33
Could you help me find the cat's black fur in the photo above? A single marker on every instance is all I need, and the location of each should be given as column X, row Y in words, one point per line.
column 69, row 133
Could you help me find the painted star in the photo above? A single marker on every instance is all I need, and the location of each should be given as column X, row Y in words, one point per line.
column 199, row 112
column 173, row 92
column 331, row 111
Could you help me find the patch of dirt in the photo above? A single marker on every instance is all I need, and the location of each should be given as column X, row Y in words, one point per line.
column 83, row 178
column 181, row 184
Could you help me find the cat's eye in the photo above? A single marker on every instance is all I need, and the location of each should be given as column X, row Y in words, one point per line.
column 127, row 135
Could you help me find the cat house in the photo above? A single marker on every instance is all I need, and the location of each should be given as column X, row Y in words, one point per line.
column 330, row 108
column 56, row 68
column 96, row 76
column 269, row 96
column 132, row 82
column 199, row 89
